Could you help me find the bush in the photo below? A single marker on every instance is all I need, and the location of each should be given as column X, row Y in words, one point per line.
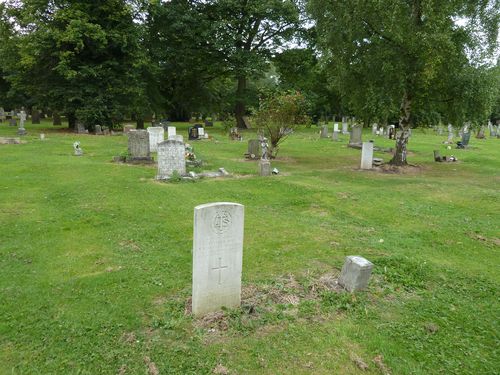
column 278, row 115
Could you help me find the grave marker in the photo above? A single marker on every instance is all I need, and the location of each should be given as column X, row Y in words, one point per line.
column 355, row 273
column 217, row 256
column 171, row 157
column 367, row 155
column 156, row 134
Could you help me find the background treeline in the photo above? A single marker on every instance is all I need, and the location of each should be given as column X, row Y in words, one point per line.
column 100, row 62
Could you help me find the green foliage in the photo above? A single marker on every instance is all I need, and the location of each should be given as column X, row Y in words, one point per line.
column 278, row 115
column 82, row 58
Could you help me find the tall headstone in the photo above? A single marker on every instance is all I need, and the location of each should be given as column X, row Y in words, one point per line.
column 217, row 256
column 254, row 150
column 335, row 136
column 156, row 135
column 367, row 155
column 2, row 114
column 98, row 130
column 374, row 129
column 336, row 127
column 201, row 133
column 22, row 118
column 324, row 131
column 171, row 132
column 355, row 138
column 138, row 146
column 35, row 116
column 355, row 273
column 171, row 157
column 80, row 128
column 345, row 127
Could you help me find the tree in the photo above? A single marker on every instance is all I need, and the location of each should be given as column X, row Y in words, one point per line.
column 279, row 113
column 246, row 33
column 397, row 51
column 77, row 57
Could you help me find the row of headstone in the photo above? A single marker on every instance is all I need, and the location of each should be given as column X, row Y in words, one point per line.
column 218, row 259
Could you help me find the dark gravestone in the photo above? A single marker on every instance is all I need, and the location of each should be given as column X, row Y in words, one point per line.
column 254, row 149
column 56, row 119
column 465, row 140
column 35, row 116
column 192, row 133
column 355, row 138
column 209, row 123
column 437, row 156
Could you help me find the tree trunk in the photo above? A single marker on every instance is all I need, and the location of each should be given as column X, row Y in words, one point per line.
column 399, row 157
column 139, row 122
column 56, row 119
column 71, row 120
column 239, row 110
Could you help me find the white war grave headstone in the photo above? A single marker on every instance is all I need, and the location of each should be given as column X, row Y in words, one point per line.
column 217, row 256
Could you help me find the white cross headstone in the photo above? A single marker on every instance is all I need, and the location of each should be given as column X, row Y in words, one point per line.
column 217, row 256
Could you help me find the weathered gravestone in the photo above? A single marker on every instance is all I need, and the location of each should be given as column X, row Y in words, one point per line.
column 355, row 273
column 80, row 128
column 335, row 136
column 324, row 131
column 138, row 146
column 35, row 116
column 98, row 130
column 355, row 138
column 2, row 114
column 156, row 136
column 367, row 155
column 254, row 150
column 217, row 256
column 208, row 123
column 374, row 129
column 12, row 121
column 171, row 157
column 345, row 126
column 465, row 140
column 22, row 118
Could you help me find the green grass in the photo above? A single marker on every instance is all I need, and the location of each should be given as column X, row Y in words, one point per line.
column 95, row 260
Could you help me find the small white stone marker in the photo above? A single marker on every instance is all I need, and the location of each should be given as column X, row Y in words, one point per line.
column 367, row 155
column 355, row 273
column 217, row 256
column 171, row 132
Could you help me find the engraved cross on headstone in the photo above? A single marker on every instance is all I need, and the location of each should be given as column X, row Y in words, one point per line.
column 219, row 268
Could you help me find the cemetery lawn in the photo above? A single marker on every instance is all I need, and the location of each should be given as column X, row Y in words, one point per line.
column 95, row 260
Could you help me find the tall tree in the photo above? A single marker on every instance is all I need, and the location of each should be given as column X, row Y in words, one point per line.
column 403, row 49
column 77, row 57
column 246, row 33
